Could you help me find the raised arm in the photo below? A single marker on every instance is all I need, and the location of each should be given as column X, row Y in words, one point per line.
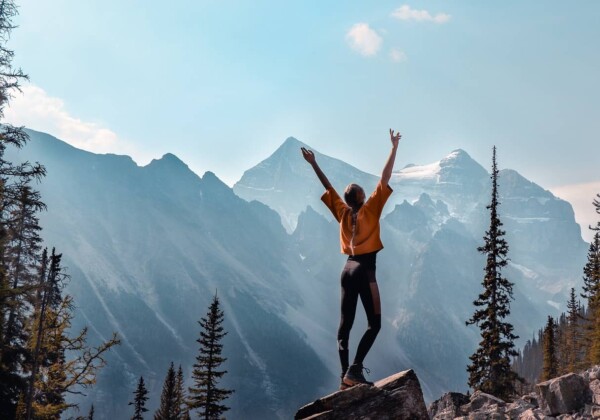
column 389, row 165
column 309, row 156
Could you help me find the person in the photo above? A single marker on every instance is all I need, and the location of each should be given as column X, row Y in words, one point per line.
column 360, row 240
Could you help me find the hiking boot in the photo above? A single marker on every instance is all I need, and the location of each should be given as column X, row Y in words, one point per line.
column 355, row 376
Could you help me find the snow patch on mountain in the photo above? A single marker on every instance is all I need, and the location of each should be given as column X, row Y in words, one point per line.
column 424, row 172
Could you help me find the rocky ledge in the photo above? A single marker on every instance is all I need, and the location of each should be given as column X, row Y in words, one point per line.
column 568, row 397
column 396, row 397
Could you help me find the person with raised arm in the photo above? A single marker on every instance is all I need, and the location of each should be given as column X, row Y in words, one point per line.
column 359, row 239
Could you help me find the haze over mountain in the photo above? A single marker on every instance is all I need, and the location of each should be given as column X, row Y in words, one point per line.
column 148, row 246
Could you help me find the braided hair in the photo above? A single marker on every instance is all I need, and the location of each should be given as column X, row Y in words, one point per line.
column 351, row 198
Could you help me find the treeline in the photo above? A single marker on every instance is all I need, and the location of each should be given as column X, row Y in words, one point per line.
column 571, row 342
column 41, row 361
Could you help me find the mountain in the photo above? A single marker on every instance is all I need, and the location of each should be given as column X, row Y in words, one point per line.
column 430, row 271
column 286, row 184
column 147, row 247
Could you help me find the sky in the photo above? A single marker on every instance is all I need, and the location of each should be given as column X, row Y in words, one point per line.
column 222, row 84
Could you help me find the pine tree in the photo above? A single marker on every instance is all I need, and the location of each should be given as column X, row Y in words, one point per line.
column 490, row 370
column 181, row 410
column 206, row 396
column 591, row 292
column 550, row 360
column 139, row 400
column 21, row 257
column 574, row 345
column 168, row 397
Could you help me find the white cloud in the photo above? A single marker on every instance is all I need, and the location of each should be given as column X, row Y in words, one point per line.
column 406, row 13
column 35, row 109
column 581, row 196
column 397, row 56
column 364, row 39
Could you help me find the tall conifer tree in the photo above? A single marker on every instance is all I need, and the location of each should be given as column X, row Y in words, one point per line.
column 205, row 395
column 574, row 348
column 168, row 398
column 140, row 396
column 550, row 369
column 591, row 292
column 490, row 370
column 181, row 410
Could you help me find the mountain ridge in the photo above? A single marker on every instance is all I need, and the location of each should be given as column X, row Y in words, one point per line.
column 147, row 248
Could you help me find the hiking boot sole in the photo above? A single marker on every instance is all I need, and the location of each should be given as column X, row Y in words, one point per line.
column 351, row 382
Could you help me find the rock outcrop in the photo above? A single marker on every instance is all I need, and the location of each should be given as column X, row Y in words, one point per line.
column 563, row 395
column 396, row 397
column 572, row 396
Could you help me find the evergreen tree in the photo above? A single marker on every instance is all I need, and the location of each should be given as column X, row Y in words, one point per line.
column 574, row 347
column 21, row 258
column 550, row 360
column 12, row 178
column 139, row 400
column 181, row 410
column 490, row 370
column 168, row 398
column 591, row 292
column 91, row 413
column 205, row 395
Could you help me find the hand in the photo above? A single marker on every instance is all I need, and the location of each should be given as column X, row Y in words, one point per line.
column 395, row 138
column 308, row 155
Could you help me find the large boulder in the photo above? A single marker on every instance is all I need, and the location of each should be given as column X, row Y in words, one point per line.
column 563, row 395
column 448, row 406
column 396, row 397
column 480, row 401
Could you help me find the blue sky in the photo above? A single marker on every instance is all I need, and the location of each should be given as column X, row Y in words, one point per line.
column 222, row 83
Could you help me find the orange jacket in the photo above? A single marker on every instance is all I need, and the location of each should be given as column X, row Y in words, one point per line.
column 366, row 236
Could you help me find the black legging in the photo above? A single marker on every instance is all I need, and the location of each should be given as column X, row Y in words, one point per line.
column 358, row 279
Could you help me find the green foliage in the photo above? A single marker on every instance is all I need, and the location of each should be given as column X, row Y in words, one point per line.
column 18, row 231
column 550, row 359
column 139, row 400
column 181, row 410
column 573, row 347
column 168, row 398
column 205, row 395
column 490, row 370
column 591, row 291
